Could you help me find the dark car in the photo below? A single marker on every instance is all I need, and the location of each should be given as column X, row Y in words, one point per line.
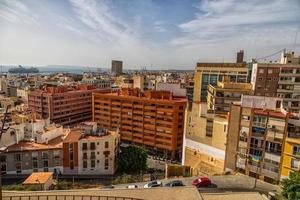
column 175, row 183
column 202, row 182
column 108, row 187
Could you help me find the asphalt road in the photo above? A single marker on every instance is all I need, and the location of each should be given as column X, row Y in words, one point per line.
column 222, row 183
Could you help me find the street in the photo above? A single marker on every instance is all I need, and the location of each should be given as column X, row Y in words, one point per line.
column 221, row 183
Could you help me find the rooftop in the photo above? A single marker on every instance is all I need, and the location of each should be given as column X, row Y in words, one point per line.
column 38, row 178
column 55, row 143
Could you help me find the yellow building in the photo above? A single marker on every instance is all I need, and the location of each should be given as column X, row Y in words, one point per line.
column 291, row 152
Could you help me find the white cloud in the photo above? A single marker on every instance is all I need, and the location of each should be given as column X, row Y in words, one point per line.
column 228, row 19
column 16, row 11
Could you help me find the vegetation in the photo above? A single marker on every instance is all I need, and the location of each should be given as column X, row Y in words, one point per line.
column 19, row 187
column 132, row 159
column 126, row 178
column 291, row 186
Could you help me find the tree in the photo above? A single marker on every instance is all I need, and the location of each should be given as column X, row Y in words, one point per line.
column 291, row 186
column 132, row 159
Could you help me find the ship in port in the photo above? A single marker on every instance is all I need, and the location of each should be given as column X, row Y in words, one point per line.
column 22, row 70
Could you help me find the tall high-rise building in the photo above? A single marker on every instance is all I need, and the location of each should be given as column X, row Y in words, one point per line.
column 153, row 119
column 63, row 105
column 117, row 67
column 240, row 56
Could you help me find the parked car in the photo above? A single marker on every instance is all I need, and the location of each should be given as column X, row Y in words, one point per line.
column 175, row 183
column 202, row 182
column 132, row 186
column 153, row 184
column 109, row 187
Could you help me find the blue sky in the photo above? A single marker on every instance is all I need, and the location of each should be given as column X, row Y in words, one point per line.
column 161, row 33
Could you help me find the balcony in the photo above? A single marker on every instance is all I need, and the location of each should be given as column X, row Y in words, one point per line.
column 274, row 136
column 270, row 173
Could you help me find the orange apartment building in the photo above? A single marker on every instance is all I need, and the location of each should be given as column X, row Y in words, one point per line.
column 63, row 105
column 153, row 119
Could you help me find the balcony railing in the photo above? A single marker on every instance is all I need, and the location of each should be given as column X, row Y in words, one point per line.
column 65, row 197
column 294, row 135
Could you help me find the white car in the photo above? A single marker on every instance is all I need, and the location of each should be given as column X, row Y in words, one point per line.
column 132, row 186
column 153, row 184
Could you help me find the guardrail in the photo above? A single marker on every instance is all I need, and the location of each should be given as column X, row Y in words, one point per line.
column 65, row 197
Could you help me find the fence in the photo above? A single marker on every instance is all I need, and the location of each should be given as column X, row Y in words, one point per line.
column 65, row 197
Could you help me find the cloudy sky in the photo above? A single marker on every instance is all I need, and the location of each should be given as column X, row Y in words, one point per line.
column 160, row 33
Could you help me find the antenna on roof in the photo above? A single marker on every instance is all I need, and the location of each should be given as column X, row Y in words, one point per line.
column 295, row 42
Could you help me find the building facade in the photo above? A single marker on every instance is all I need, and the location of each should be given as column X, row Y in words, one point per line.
column 221, row 96
column 278, row 80
column 63, row 105
column 153, row 119
column 291, row 152
column 89, row 152
column 256, row 134
column 26, row 157
column 116, row 67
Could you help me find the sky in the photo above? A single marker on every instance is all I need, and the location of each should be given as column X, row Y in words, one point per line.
column 158, row 34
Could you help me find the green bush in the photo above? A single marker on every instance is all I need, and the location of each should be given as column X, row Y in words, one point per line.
column 132, row 159
column 291, row 186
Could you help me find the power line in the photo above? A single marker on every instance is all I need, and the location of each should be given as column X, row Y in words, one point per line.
column 273, row 54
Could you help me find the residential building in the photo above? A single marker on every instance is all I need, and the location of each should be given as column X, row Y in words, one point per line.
column 116, row 67
column 63, row 105
column 278, row 80
column 99, row 83
column 25, row 157
column 153, row 119
column 207, row 122
column 289, row 58
column 177, row 89
column 221, row 96
column 202, row 153
column 91, row 152
column 190, row 93
column 256, row 133
column 291, row 150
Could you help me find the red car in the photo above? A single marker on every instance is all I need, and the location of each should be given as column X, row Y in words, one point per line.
column 202, row 182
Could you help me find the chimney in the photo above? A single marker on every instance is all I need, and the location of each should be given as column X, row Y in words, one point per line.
column 240, row 56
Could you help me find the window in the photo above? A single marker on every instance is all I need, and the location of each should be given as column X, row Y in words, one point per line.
column 106, row 164
column 84, row 164
column 295, row 164
column 261, row 71
column 35, row 164
column 85, row 155
column 84, row 146
column 296, row 150
column 45, row 163
column 106, row 144
column 93, row 155
column 270, row 71
column 92, row 146
column 3, row 158
column 18, row 157
column 93, row 163
column 18, row 167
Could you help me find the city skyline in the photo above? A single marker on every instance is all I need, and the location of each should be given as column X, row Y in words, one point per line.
column 162, row 34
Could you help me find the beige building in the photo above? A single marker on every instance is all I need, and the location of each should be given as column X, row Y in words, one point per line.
column 220, row 97
column 206, row 130
column 87, row 151
column 289, row 58
column 256, row 134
